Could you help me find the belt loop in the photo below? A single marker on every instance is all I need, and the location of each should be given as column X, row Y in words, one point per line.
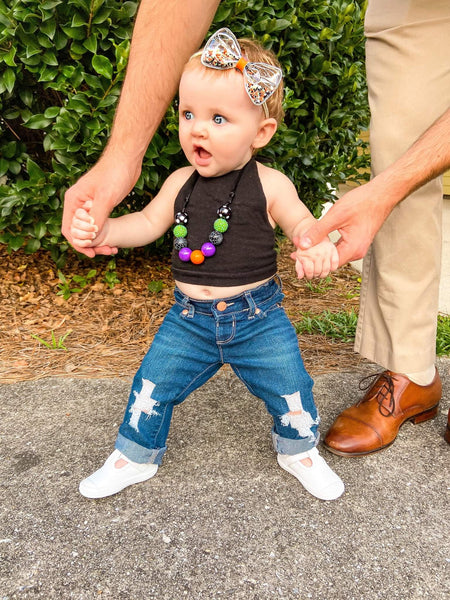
column 251, row 303
column 188, row 306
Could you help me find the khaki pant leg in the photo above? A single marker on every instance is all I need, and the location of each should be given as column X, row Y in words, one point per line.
column 408, row 72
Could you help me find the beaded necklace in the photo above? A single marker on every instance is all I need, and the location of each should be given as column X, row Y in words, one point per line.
column 220, row 226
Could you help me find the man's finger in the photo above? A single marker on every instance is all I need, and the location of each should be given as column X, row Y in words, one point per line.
column 348, row 252
column 106, row 250
column 315, row 234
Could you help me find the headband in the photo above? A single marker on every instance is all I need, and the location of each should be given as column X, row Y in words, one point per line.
column 222, row 51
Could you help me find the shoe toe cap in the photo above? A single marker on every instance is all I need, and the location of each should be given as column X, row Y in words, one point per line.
column 350, row 436
column 332, row 491
column 88, row 489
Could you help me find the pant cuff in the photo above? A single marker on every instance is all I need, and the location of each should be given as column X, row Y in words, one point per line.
column 284, row 445
column 137, row 453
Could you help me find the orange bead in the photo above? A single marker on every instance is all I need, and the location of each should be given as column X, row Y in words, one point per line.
column 197, row 257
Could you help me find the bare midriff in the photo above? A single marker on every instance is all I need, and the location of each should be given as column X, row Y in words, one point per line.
column 212, row 292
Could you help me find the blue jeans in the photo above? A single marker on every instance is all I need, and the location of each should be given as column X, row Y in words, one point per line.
column 251, row 333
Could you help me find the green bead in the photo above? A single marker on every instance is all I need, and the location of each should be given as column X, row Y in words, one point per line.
column 220, row 225
column 180, row 231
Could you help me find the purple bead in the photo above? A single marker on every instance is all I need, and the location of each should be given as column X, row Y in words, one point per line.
column 185, row 254
column 208, row 249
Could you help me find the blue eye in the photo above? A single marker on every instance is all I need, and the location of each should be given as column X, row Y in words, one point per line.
column 188, row 115
column 219, row 119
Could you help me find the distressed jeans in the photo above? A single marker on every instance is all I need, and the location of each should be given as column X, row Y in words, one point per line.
column 252, row 334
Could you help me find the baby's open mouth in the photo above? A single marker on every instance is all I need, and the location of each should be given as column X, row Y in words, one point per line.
column 201, row 152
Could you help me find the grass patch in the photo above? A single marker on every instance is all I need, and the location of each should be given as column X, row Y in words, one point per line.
column 319, row 286
column 341, row 326
column 443, row 335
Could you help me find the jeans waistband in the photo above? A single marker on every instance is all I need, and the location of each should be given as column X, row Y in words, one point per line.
column 249, row 300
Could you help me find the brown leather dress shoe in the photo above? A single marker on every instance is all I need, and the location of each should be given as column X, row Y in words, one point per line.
column 373, row 423
column 447, row 431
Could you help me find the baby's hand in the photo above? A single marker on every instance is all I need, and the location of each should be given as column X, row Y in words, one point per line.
column 317, row 261
column 83, row 228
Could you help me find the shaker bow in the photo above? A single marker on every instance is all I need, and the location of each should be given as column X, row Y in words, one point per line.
column 222, row 51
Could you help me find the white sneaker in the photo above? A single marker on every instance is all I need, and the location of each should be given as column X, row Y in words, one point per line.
column 109, row 479
column 318, row 479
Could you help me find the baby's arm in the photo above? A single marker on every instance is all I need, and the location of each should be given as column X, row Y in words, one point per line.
column 134, row 229
column 286, row 209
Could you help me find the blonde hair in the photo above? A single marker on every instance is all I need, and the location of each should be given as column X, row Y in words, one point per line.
column 253, row 52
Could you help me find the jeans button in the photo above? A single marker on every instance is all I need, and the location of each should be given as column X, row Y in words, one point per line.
column 221, row 305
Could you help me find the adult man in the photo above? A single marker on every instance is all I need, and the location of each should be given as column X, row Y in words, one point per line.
column 408, row 72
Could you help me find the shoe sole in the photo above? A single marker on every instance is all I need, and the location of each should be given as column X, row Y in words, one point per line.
column 428, row 414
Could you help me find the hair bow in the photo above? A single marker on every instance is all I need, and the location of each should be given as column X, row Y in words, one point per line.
column 222, row 51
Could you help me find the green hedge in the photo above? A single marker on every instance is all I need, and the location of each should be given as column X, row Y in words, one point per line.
column 62, row 64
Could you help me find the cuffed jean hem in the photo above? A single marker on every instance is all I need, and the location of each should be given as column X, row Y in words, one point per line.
column 139, row 454
column 284, row 445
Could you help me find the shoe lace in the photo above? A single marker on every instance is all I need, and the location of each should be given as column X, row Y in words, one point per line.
column 384, row 395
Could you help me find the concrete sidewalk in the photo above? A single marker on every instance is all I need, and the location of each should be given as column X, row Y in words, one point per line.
column 220, row 519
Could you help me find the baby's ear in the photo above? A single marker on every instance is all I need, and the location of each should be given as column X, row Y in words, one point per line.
column 265, row 133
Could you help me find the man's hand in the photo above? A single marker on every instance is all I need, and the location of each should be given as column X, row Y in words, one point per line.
column 357, row 216
column 105, row 186
column 360, row 213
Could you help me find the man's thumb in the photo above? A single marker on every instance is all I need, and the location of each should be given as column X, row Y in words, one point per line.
column 312, row 236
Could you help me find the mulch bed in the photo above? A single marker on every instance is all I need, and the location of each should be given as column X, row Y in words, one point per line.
column 107, row 330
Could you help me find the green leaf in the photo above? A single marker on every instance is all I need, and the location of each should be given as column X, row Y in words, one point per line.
column 9, row 78
column 326, row 34
column 49, row 58
column 91, row 44
column 16, row 243
column 8, row 58
column 26, row 96
column 15, row 167
column 40, row 230
column 4, row 164
column 155, row 286
column 101, row 15
column 102, row 65
column 75, row 33
column 49, row 28
column 32, row 246
column 52, row 112
column 37, row 122
column 50, row 4
column 35, row 173
column 78, row 20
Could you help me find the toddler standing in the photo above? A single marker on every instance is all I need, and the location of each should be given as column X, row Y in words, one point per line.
column 227, row 309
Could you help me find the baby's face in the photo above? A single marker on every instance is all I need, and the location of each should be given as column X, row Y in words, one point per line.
column 218, row 123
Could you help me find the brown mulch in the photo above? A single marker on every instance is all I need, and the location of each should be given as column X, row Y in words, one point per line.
column 106, row 330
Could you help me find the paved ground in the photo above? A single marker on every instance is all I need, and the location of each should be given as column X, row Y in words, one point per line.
column 220, row 519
